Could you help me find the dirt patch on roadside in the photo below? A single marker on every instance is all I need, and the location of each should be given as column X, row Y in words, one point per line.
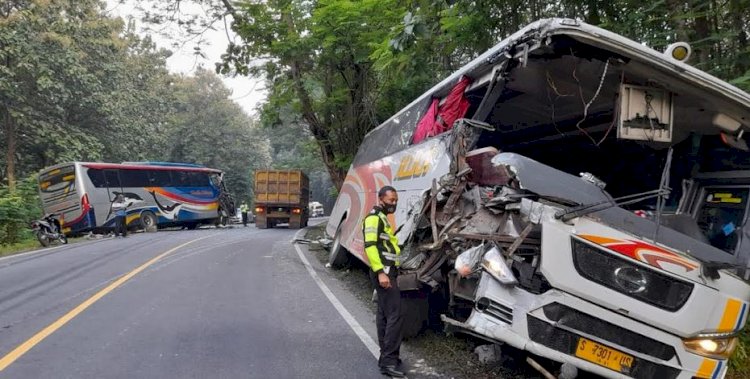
column 435, row 354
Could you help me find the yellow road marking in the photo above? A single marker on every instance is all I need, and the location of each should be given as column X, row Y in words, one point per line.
column 23, row 348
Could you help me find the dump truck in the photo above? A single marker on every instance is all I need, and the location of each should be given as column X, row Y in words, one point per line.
column 281, row 196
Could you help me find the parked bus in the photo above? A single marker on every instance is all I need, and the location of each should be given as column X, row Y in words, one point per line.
column 571, row 193
column 158, row 194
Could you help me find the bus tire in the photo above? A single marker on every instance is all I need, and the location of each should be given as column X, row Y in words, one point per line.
column 338, row 255
column 149, row 222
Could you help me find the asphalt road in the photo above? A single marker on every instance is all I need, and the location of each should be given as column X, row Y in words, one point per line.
column 221, row 303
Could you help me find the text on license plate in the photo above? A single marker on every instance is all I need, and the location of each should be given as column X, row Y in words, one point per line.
column 603, row 355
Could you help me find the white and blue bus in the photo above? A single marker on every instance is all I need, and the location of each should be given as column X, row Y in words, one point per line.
column 540, row 203
column 158, row 194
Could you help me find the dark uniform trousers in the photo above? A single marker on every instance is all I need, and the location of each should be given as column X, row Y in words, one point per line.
column 388, row 319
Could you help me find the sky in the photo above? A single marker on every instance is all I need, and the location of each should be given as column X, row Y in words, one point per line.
column 247, row 92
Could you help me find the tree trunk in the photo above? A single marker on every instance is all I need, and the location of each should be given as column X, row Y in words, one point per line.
column 9, row 128
column 592, row 16
column 702, row 32
column 677, row 19
column 740, row 62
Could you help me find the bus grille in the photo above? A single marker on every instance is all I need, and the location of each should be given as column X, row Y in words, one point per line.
column 660, row 290
column 496, row 310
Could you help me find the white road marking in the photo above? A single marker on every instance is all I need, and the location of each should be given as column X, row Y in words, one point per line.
column 350, row 320
column 44, row 250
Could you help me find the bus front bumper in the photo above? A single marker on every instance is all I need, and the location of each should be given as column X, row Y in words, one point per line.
column 553, row 324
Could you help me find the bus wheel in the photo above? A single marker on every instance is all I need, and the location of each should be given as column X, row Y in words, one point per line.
column 192, row 226
column 148, row 221
column 338, row 255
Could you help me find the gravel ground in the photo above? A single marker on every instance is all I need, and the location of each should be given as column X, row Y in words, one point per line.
column 451, row 356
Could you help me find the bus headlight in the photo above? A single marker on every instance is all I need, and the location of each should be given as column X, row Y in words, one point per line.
column 494, row 264
column 712, row 347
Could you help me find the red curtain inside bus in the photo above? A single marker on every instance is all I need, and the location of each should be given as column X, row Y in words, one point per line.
column 439, row 119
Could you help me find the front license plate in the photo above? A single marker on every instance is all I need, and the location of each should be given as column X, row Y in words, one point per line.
column 603, row 355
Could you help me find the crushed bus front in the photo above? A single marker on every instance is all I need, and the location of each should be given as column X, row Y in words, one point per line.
column 591, row 292
column 589, row 205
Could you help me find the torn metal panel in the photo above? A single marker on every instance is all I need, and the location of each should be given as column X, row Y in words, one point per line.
column 548, row 182
column 483, row 222
column 537, row 212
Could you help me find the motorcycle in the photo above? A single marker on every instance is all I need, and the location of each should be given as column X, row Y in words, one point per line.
column 48, row 229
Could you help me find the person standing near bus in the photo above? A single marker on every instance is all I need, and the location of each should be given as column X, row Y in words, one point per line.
column 381, row 246
column 119, row 207
column 244, row 209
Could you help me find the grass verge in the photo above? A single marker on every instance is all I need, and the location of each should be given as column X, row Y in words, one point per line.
column 29, row 245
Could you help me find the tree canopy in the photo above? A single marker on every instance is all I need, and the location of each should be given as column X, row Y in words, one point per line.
column 345, row 66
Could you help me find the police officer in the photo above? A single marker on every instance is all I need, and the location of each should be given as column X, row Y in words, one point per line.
column 381, row 246
column 244, row 209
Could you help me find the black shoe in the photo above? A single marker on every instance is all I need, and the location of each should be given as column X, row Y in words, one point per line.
column 392, row 372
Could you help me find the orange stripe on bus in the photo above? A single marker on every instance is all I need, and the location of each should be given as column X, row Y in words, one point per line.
column 707, row 368
column 729, row 319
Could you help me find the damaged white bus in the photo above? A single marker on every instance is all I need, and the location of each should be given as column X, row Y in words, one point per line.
column 574, row 194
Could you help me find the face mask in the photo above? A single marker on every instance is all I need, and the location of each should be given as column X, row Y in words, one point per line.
column 389, row 208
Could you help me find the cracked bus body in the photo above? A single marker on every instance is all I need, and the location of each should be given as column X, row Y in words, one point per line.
column 589, row 206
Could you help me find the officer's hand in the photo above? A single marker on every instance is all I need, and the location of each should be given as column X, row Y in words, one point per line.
column 384, row 281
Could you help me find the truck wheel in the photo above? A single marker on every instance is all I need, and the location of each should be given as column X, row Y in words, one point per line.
column 148, row 221
column 338, row 255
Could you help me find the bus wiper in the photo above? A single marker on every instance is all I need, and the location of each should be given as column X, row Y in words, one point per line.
column 585, row 209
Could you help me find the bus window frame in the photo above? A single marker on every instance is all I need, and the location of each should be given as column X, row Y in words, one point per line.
column 107, row 182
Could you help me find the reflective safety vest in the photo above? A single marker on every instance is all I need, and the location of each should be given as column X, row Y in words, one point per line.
column 381, row 244
column 244, row 208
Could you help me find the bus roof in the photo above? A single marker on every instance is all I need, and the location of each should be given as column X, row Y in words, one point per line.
column 137, row 166
column 595, row 36
column 172, row 164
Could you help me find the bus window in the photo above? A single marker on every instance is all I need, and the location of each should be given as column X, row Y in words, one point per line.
column 197, row 179
column 159, row 178
column 97, row 177
column 180, row 179
column 112, row 179
column 721, row 216
column 134, row 178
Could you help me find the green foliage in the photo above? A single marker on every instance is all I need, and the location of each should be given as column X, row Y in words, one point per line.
column 739, row 364
column 76, row 85
column 17, row 210
column 208, row 128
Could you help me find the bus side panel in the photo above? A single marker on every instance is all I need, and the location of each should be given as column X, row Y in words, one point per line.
column 170, row 205
column 178, row 204
column 410, row 171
